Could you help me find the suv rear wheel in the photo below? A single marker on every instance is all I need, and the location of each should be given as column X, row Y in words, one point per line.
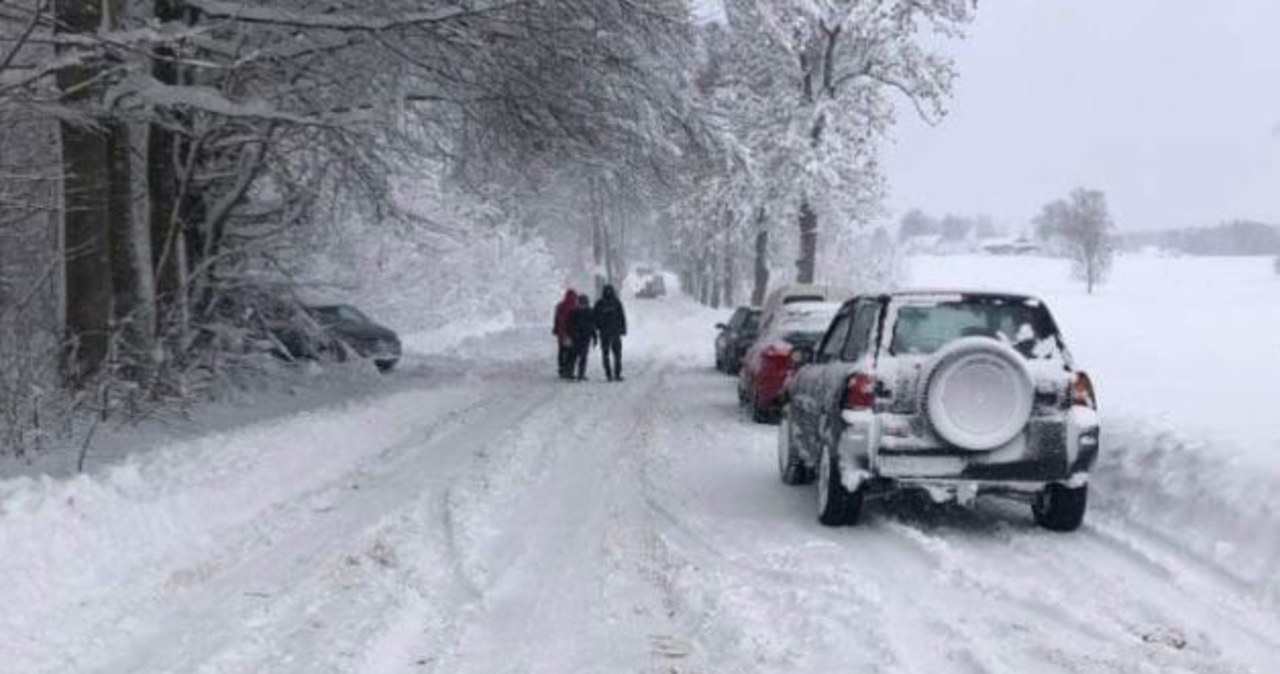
column 1060, row 508
column 837, row 505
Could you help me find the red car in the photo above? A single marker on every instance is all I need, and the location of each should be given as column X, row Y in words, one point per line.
column 793, row 330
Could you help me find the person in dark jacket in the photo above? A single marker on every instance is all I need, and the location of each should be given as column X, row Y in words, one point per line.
column 564, row 337
column 611, row 323
column 582, row 327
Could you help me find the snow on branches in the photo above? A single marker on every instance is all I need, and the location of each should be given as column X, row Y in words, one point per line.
column 806, row 91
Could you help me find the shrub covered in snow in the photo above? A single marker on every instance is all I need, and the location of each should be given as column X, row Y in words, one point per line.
column 469, row 261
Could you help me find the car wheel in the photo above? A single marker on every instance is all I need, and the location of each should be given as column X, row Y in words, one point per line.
column 1060, row 508
column 758, row 414
column 837, row 505
column 385, row 366
column 791, row 467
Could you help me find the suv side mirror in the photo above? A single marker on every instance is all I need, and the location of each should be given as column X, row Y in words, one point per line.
column 801, row 357
column 721, row 326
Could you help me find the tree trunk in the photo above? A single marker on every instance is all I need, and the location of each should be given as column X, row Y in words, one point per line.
column 717, row 280
column 704, row 282
column 807, row 263
column 618, row 239
column 85, row 220
column 597, row 236
column 730, row 278
column 760, row 286
column 129, row 266
column 163, row 169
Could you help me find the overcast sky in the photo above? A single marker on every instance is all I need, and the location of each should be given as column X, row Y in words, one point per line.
column 1170, row 106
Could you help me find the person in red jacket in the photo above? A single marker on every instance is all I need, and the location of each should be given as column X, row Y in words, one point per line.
column 564, row 336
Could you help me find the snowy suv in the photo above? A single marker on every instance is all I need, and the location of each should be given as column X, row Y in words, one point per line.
column 959, row 394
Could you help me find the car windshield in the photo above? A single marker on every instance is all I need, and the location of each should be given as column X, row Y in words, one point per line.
column 925, row 328
column 340, row 313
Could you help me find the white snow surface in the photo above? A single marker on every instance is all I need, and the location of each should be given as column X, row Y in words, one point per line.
column 500, row 520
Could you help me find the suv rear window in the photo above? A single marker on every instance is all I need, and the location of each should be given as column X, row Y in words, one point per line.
column 793, row 299
column 809, row 317
column 925, row 328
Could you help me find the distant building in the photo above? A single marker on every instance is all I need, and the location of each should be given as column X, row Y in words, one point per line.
column 1018, row 246
column 922, row 244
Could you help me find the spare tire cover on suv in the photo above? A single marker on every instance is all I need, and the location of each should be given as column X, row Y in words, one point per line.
column 978, row 394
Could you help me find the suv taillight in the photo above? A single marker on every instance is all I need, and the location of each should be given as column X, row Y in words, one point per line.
column 860, row 393
column 1082, row 391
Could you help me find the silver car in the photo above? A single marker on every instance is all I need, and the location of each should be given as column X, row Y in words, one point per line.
column 958, row 394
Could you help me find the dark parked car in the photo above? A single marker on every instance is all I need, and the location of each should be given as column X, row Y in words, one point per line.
column 654, row 287
column 735, row 338
column 368, row 339
column 955, row 394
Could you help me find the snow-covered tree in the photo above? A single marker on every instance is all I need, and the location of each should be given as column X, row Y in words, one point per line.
column 1081, row 226
column 262, row 127
column 801, row 95
column 824, row 77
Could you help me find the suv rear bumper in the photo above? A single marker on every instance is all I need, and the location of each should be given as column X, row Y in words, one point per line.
column 1053, row 450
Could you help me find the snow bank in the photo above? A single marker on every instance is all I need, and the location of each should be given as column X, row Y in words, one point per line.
column 1192, row 496
column 151, row 522
column 451, row 335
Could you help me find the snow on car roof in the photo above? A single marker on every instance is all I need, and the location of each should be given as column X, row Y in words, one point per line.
column 931, row 293
column 807, row 308
column 805, row 315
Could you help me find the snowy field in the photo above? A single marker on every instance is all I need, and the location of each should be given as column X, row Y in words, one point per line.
column 481, row 516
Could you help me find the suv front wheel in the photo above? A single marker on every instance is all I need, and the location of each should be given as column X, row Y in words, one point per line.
column 1061, row 508
column 837, row 505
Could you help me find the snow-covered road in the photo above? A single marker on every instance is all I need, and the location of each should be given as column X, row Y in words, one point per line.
column 505, row 521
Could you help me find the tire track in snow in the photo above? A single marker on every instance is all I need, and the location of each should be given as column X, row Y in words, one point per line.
column 952, row 590
column 296, row 547
column 1081, row 580
column 746, row 607
column 546, row 552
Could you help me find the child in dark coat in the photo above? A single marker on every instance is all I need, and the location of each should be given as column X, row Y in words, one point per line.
column 582, row 325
